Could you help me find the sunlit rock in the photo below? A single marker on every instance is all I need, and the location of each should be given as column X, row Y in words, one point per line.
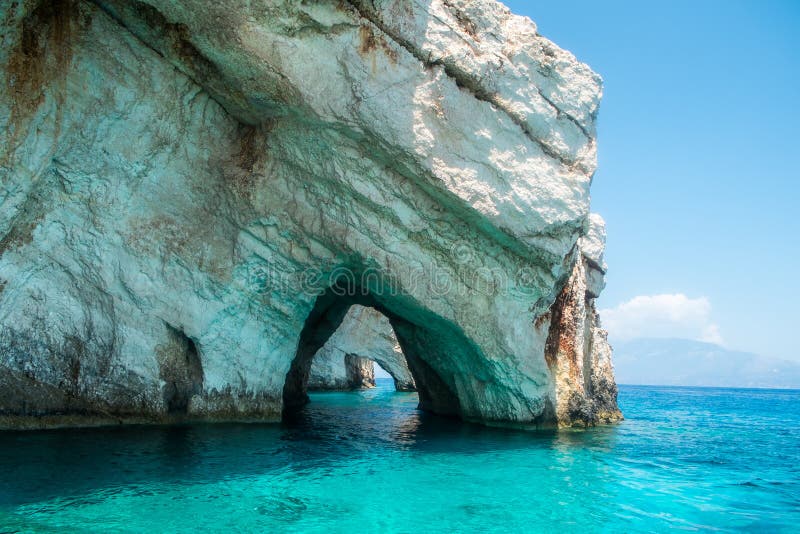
column 577, row 349
column 194, row 193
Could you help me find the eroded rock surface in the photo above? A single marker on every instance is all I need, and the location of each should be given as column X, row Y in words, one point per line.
column 577, row 349
column 364, row 334
column 194, row 193
column 346, row 372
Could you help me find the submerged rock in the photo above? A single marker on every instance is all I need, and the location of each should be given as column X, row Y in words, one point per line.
column 345, row 361
column 194, row 194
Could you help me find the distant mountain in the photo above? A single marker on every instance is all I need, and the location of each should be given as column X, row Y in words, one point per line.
column 683, row 362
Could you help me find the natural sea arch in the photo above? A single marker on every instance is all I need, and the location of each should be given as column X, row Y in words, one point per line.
column 457, row 166
column 430, row 345
column 349, row 358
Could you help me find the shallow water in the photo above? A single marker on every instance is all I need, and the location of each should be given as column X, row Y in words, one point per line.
column 685, row 457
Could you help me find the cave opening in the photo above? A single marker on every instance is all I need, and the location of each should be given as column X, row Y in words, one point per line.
column 362, row 351
column 349, row 329
column 181, row 369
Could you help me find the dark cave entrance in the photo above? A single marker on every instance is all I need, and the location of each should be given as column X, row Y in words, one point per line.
column 419, row 335
column 181, row 369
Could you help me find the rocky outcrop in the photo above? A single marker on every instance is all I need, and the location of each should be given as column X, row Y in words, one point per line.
column 577, row 350
column 345, row 361
column 194, row 193
column 348, row 372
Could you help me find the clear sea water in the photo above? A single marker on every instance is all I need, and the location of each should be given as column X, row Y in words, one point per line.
column 685, row 458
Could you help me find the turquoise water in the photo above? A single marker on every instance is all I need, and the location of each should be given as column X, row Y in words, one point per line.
column 685, row 457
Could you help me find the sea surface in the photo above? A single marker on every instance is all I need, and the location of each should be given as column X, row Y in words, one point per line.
column 685, row 458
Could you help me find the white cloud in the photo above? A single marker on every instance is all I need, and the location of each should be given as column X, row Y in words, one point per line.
column 662, row 316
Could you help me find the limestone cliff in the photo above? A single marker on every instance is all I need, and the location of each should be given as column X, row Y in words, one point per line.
column 345, row 361
column 194, row 193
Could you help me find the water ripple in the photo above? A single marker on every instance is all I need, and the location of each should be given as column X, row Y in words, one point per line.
column 685, row 458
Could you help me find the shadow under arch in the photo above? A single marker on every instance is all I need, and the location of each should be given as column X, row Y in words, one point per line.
column 432, row 345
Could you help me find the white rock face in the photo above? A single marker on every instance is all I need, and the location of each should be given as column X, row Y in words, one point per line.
column 345, row 361
column 334, row 371
column 194, row 193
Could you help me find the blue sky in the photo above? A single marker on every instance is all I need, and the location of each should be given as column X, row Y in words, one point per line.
column 698, row 177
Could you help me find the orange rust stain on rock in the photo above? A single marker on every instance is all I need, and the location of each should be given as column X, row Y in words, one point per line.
column 248, row 151
column 252, row 143
column 370, row 42
column 241, row 175
column 42, row 53
column 390, row 52
column 561, row 339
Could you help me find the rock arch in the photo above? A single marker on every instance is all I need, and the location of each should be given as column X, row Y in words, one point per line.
column 431, row 372
column 219, row 170
column 346, row 360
